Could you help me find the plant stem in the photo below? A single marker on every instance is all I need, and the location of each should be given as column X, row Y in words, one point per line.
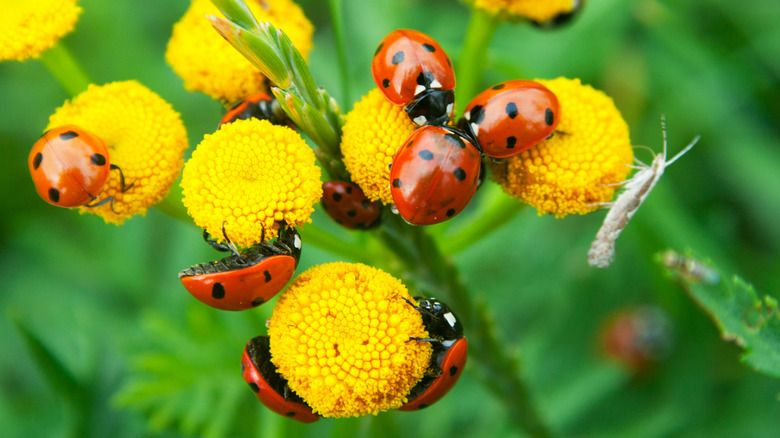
column 337, row 21
column 471, row 62
column 420, row 255
column 172, row 206
column 65, row 69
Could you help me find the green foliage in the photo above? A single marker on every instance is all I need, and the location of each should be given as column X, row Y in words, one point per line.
column 751, row 322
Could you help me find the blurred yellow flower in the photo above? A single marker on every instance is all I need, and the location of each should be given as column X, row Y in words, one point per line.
column 372, row 133
column 536, row 10
column 145, row 138
column 339, row 336
column 30, row 27
column 208, row 63
column 251, row 175
column 581, row 165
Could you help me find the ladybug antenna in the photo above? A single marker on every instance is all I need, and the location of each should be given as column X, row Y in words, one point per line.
column 411, row 304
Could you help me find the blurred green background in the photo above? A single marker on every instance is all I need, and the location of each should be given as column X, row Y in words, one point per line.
column 146, row 359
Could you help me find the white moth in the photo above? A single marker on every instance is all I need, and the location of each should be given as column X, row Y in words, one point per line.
column 635, row 190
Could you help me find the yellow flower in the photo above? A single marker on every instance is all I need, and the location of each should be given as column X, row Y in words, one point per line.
column 580, row 166
column 208, row 63
column 30, row 27
column 251, row 175
column 145, row 138
column 372, row 133
column 339, row 336
column 536, row 10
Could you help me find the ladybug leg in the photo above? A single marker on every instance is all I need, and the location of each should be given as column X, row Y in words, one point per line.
column 214, row 244
column 124, row 187
column 419, row 309
column 230, row 244
column 431, row 340
column 102, row 202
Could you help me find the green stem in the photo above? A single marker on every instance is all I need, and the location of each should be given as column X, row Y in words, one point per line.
column 172, row 206
column 65, row 69
column 423, row 260
column 337, row 21
column 471, row 62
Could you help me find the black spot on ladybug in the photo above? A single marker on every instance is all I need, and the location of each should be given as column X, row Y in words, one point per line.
column 290, row 414
column 336, row 197
column 549, row 117
column 54, row 195
column 351, row 213
column 451, row 212
column 397, row 183
column 453, row 370
column 218, row 291
column 455, row 140
column 511, row 142
column 37, row 160
column 477, row 114
column 429, row 47
column 385, row 83
column 449, row 62
column 379, row 48
column 348, row 189
column 67, row 135
column 257, row 301
column 425, row 154
column 365, row 204
column 511, row 110
column 425, row 79
column 254, row 386
column 411, row 142
column 422, row 406
column 98, row 160
column 267, row 276
column 398, row 58
column 459, row 173
column 497, row 87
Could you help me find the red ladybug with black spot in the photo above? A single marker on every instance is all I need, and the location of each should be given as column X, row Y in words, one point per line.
column 260, row 106
column 510, row 117
column 69, row 167
column 434, row 175
column 270, row 387
column 411, row 69
column 448, row 358
column 346, row 204
column 246, row 279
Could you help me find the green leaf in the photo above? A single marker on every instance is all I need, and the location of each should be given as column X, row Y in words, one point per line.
column 752, row 322
column 237, row 12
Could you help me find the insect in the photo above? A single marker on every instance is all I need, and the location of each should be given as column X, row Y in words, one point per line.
column 434, row 175
column 411, row 69
column 270, row 387
column 690, row 268
column 635, row 191
column 261, row 106
column 512, row 116
column 448, row 358
column 69, row 167
column 637, row 337
column 346, row 204
column 244, row 279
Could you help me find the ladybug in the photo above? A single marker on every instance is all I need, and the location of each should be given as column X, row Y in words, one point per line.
column 346, row 204
column 448, row 358
column 244, row 279
column 411, row 69
column 510, row 117
column 638, row 337
column 270, row 387
column 261, row 106
column 434, row 175
column 69, row 166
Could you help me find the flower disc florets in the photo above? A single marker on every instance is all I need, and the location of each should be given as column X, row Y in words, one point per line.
column 373, row 132
column 340, row 337
column 208, row 63
column 30, row 27
column 145, row 138
column 579, row 167
column 251, row 175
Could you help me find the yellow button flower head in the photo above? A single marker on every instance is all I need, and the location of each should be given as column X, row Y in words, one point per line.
column 30, row 27
column 536, row 10
column 339, row 336
column 580, row 166
column 145, row 138
column 208, row 63
column 372, row 133
column 251, row 175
